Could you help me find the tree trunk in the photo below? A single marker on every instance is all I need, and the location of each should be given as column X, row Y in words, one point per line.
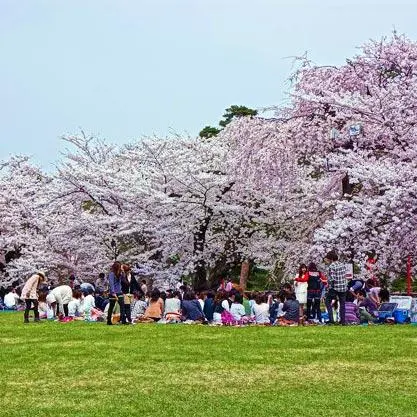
column 200, row 275
column 244, row 274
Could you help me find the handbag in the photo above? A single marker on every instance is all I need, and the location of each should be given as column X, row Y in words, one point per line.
column 115, row 318
column 127, row 298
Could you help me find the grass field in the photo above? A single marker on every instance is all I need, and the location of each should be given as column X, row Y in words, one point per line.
column 89, row 369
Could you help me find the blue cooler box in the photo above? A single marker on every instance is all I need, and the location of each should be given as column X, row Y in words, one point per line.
column 385, row 311
column 401, row 316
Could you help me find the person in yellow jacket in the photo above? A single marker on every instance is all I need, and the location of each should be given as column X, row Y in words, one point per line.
column 30, row 294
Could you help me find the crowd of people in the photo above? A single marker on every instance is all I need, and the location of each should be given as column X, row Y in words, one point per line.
column 121, row 298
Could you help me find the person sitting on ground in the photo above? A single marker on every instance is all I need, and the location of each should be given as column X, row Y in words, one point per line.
column 286, row 289
column 100, row 300
column 163, row 296
column 351, row 310
column 291, row 308
column 144, row 287
column 238, row 310
column 11, row 299
column 138, row 307
column 183, row 289
column 218, row 306
column 372, row 291
column 87, row 288
column 101, row 283
column 74, row 282
column 227, row 303
column 191, row 308
column 89, row 303
column 208, row 309
column 367, row 308
column 200, row 297
column 260, row 310
column 74, row 306
column 384, row 295
column 42, row 306
column 59, row 298
column 30, row 295
column 172, row 309
column 252, row 297
column 246, row 304
column 355, row 285
column 275, row 310
column 155, row 308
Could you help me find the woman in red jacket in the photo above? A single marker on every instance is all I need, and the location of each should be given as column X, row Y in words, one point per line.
column 300, row 287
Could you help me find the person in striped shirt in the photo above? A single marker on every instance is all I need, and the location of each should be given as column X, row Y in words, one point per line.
column 337, row 286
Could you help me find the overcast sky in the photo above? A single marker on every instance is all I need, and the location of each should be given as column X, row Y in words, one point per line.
column 122, row 69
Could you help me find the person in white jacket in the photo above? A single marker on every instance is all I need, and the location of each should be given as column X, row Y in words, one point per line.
column 59, row 298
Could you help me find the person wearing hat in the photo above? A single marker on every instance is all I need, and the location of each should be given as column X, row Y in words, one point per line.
column 30, row 295
column 59, row 298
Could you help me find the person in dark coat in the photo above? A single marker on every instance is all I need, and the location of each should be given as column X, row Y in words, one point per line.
column 129, row 287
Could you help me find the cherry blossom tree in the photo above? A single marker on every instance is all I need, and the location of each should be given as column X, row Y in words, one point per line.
column 346, row 147
column 334, row 169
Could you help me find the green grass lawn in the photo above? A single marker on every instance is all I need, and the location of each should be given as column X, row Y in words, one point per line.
column 90, row 369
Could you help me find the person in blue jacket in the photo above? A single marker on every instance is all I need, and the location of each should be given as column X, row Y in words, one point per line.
column 115, row 292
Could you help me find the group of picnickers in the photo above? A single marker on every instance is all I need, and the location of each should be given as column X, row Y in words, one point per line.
column 121, row 298
column 348, row 300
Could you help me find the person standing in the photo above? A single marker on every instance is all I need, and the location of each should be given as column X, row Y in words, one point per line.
column 115, row 292
column 129, row 287
column 300, row 287
column 337, row 286
column 30, row 295
column 314, row 291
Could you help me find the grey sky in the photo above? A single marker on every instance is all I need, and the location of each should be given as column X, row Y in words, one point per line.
column 122, row 69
